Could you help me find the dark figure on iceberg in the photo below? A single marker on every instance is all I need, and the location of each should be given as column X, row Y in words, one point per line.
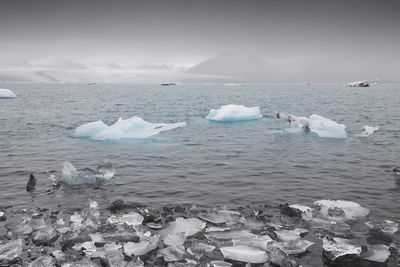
column 31, row 183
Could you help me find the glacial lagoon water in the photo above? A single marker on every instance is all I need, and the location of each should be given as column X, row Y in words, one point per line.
column 203, row 163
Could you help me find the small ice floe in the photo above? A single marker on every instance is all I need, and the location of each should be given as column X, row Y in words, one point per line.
column 145, row 245
column 233, row 113
column 358, row 84
column 133, row 128
column 189, row 227
column 334, row 229
column 294, row 247
column 377, row 253
column 6, row 93
column 291, row 235
column 336, row 247
column 174, row 253
column 245, row 254
column 43, row 261
column 321, row 126
column 339, row 210
column 219, row 217
column 70, row 175
column 383, row 229
column 242, row 237
column 368, row 130
column 396, row 171
column 130, row 219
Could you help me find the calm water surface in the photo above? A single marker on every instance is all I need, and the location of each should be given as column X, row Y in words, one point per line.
column 203, row 163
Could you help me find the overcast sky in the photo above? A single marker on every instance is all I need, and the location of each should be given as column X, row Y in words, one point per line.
column 187, row 31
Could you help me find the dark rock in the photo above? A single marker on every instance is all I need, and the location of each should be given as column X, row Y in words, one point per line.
column 31, row 183
column 289, row 211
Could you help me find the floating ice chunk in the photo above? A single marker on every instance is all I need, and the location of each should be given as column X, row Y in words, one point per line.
column 6, row 93
column 322, row 126
column 386, row 227
column 231, row 113
column 339, row 247
column 106, row 168
column 45, row 236
column 70, row 175
column 43, row 261
column 377, row 253
column 220, row 264
column 368, row 130
column 175, row 239
column 132, row 219
column 172, row 253
column 115, row 258
column 189, row 227
column 294, row 247
column 133, row 128
column 243, row 237
column 291, row 235
column 219, row 217
column 142, row 247
column 245, row 254
column 338, row 210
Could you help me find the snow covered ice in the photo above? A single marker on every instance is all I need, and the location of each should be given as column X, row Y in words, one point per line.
column 232, row 113
column 7, row 93
column 339, row 247
column 132, row 128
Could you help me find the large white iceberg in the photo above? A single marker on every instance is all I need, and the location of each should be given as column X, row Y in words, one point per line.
column 133, row 128
column 317, row 124
column 6, row 93
column 231, row 113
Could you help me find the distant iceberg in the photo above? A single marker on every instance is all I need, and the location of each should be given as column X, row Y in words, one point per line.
column 133, row 128
column 6, row 93
column 232, row 113
column 317, row 124
column 358, row 84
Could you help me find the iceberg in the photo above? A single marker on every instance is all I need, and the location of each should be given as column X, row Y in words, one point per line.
column 321, row 126
column 70, row 175
column 232, row 113
column 132, row 128
column 368, row 130
column 358, row 84
column 6, row 93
